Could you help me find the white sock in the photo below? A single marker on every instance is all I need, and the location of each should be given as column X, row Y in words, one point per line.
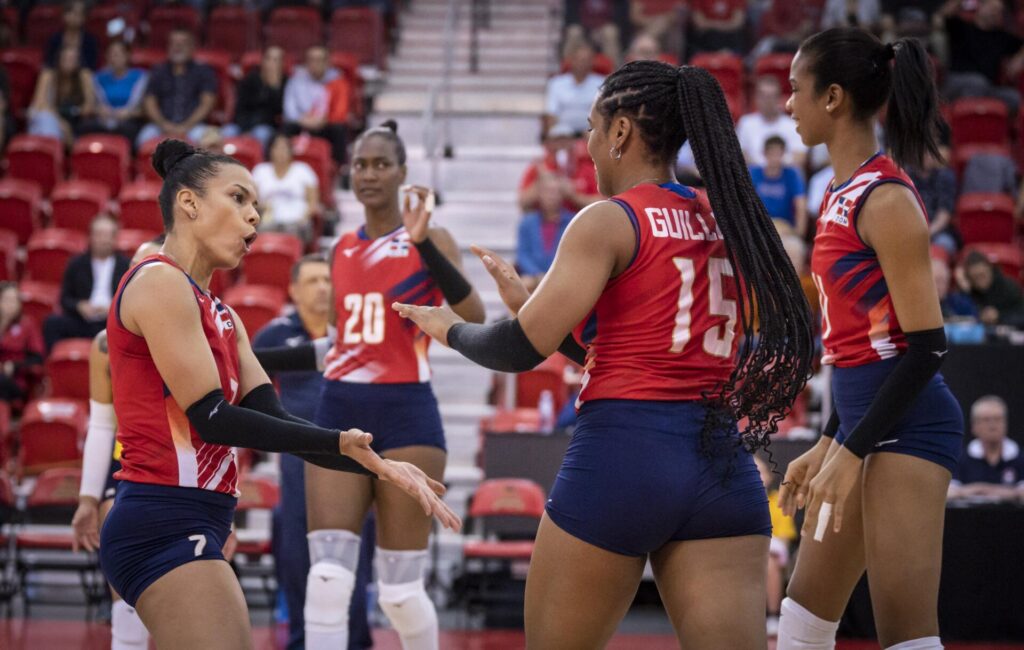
column 127, row 631
column 799, row 629
column 924, row 643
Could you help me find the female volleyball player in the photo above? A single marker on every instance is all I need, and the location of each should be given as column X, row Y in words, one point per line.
column 883, row 333
column 378, row 378
column 656, row 466
column 187, row 390
column 101, row 459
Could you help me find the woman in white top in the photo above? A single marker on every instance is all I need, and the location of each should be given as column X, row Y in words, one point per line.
column 289, row 190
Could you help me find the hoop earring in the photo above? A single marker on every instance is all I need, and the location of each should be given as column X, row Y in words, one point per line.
column 615, row 154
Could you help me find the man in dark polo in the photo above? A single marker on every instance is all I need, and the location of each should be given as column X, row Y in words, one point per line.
column 180, row 95
column 992, row 467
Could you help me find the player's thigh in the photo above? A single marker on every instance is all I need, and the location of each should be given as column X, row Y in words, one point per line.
column 826, row 572
column 196, row 605
column 105, row 507
column 714, row 590
column 576, row 593
column 401, row 523
column 336, row 500
column 904, row 512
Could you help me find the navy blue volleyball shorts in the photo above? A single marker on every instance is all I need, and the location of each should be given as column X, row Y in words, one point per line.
column 634, row 479
column 398, row 415
column 153, row 529
column 932, row 428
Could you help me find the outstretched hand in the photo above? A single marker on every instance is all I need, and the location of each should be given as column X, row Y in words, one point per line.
column 417, row 218
column 434, row 321
column 86, row 525
column 511, row 288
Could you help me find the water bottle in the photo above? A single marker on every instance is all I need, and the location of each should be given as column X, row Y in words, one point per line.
column 546, row 410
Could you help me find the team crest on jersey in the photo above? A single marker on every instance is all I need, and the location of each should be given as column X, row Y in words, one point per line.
column 221, row 316
column 398, row 247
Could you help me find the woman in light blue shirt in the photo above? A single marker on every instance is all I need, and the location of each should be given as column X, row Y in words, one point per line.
column 119, row 93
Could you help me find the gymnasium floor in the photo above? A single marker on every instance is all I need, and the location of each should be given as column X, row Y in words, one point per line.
column 47, row 634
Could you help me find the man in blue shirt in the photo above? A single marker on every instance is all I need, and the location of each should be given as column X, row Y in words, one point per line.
column 781, row 188
column 310, row 292
column 992, row 467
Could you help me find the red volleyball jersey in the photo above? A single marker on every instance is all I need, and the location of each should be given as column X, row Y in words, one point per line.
column 665, row 328
column 159, row 444
column 859, row 322
column 374, row 344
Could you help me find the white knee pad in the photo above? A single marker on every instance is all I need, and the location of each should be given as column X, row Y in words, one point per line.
column 402, row 596
column 127, row 631
column 924, row 643
column 334, row 555
column 799, row 629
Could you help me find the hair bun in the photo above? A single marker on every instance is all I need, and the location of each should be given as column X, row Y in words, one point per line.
column 391, row 125
column 169, row 153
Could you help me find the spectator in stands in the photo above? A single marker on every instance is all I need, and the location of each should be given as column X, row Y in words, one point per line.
column 566, row 157
column 73, row 36
column 936, row 185
column 181, row 93
column 289, row 191
column 816, row 188
column 261, row 98
column 997, row 297
column 64, row 97
column 913, row 18
column 783, row 536
column 865, row 14
column 784, row 26
column 717, row 25
column 307, row 102
column 21, row 347
column 7, row 124
column 119, row 93
column 645, row 47
column 541, row 230
column 955, row 304
column 598, row 21
column 570, row 95
column 310, row 292
column 89, row 283
column 992, row 467
column 768, row 119
column 979, row 48
column 664, row 21
column 781, row 188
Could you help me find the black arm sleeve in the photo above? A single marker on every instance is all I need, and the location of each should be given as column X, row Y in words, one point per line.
column 449, row 279
column 573, row 351
column 501, row 346
column 286, row 358
column 832, row 426
column 264, row 399
column 899, row 390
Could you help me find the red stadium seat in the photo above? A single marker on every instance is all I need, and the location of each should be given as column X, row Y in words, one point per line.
column 257, row 493
column 50, row 249
column 144, row 160
column 52, row 433
column 520, row 420
column 979, row 120
column 140, row 206
column 102, row 157
column 775, row 65
column 164, row 19
column 8, row 255
column 42, row 22
column 129, row 240
column 1009, row 257
column 68, row 369
column 962, row 155
column 8, row 501
column 295, row 29
column 22, row 66
column 271, row 259
column 256, row 305
column 148, row 57
column 234, row 29
column 725, row 67
column 53, row 500
column 76, row 203
column 251, row 61
column 245, row 149
column 101, row 15
column 36, row 158
column 985, row 218
column 530, row 385
column 316, row 152
column 359, row 30
column 39, row 299
column 19, row 207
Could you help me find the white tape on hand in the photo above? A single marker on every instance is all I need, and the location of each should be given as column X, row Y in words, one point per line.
column 823, row 516
column 431, row 202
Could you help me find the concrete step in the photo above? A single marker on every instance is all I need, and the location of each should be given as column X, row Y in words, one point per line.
column 465, row 82
column 435, row 22
column 437, row 52
column 494, row 102
column 460, row 65
column 539, row 36
column 500, row 11
column 469, row 130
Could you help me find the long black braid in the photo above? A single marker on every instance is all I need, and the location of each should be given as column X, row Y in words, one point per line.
column 670, row 105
